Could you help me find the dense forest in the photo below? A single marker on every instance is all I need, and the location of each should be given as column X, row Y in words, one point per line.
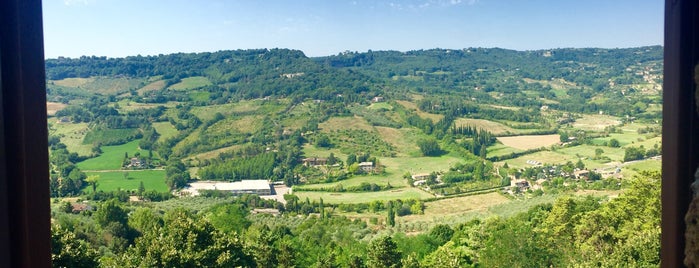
column 470, row 73
column 386, row 158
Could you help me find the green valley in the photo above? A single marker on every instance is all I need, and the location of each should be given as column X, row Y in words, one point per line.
column 443, row 152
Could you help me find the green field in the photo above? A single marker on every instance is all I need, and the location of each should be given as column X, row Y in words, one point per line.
column 102, row 85
column 455, row 210
column 345, row 123
column 244, row 124
column 242, row 107
column 111, row 157
column 312, row 151
column 414, row 165
column 395, row 167
column 364, row 197
column 395, row 181
column 521, row 205
column 636, row 167
column 404, row 140
column 594, row 122
column 199, row 95
column 490, row 126
column 501, row 128
column 191, row 83
column 153, row 85
column 194, row 136
column 629, row 139
column 113, row 180
column 165, row 129
column 109, row 136
column 380, row 105
column 546, row 157
column 588, row 152
column 71, row 135
column 499, row 149
column 127, row 105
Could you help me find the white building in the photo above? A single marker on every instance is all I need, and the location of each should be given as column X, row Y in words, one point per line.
column 259, row 187
column 366, row 166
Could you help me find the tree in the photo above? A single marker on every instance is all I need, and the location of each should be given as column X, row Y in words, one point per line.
column 625, row 230
column 110, row 211
column 564, row 136
column 144, row 220
column 391, row 218
column 186, row 241
column 323, row 141
column 66, row 207
column 634, row 153
column 228, row 217
column 614, row 143
column 351, row 159
column 141, row 189
column 429, row 147
column 92, row 181
column 512, row 243
column 353, row 168
column 332, row 159
column 442, row 233
column 321, row 209
column 383, row 252
column 598, row 153
column 449, row 255
column 69, row 251
column 483, row 151
column 580, row 164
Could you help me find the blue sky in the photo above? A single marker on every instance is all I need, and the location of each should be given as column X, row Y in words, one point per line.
column 117, row 28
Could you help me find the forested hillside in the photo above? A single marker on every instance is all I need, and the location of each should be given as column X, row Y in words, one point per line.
column 434, row 158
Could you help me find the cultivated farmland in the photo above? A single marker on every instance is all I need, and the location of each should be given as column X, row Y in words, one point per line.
column 526, row 142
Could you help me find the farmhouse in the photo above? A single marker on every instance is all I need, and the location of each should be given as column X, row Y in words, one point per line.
column 135, row 162
column 366, row 166
column 419, row 182
column 259, row 187
column 581, row 174
column 377, row 99
column 79, row 207
column 522, row 185
column 314, row 161
column 420, row 176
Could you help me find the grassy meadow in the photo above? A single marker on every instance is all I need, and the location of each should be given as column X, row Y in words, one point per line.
column 395, row 181
column 113, row 180
column 191, row 83
column 72, row 135
column 101, row 85
column 165, row 129
column 111, row 157
column 364, row 197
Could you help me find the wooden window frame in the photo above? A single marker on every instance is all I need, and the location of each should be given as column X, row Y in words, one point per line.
column 24, row 185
